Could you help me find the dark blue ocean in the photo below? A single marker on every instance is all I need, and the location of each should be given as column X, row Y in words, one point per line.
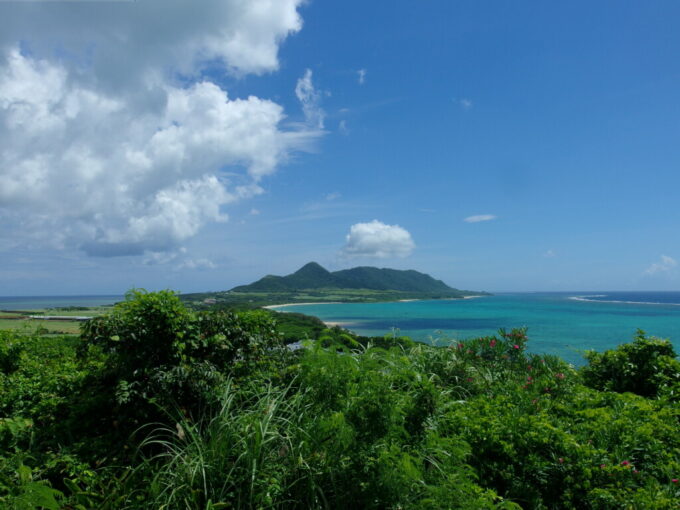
column 565, row 324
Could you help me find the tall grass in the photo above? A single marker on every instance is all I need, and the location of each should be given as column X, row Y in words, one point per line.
column 353, row 430
column 250, row 454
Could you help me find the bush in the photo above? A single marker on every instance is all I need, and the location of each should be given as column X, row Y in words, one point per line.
column 339, row 436
column 10, row 352
column 343, row 423
column 645, row 367
column 161, row 355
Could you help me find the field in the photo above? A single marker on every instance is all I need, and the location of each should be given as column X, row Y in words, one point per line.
column 23, row 320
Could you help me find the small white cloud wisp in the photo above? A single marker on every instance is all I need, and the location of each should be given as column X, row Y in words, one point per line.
column 664, row 266
column 479, row 218
column 310, row 98
column 465, row 104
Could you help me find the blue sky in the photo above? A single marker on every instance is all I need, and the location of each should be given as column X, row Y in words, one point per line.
column 172, row 152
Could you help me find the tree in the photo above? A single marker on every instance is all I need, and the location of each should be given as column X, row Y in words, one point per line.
column 161, row 353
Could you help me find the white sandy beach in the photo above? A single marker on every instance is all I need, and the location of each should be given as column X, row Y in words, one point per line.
column 301, row 304
column 332, row 324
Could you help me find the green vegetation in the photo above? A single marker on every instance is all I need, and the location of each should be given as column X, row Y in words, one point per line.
column 647, row 367
column 232, row 299
column 314, row 283
column 157, row 406
column 294, row 327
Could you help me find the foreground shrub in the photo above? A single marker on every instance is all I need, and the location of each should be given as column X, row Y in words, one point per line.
column 160, row 354
column 342, row 423
column 538, row 437
column 10, row 352
column 275, row 447
column 646, row 367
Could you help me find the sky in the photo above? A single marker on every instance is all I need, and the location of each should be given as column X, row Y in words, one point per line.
column 199, row 145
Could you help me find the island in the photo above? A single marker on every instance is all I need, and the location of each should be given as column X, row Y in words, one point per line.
column 312, row 283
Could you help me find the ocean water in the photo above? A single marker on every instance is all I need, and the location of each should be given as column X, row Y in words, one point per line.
column 40, row 302
column 565, row 324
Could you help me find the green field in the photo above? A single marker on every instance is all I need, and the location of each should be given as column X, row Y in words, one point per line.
column 41, row 326
column 22, row 321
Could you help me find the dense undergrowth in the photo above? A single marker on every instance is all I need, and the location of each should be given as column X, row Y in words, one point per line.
column 156, row 406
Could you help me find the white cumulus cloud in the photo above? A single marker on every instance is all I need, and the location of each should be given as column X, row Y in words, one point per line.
column 102, row 148
column 123, row 42
column 665, row 265
column 479, row 217
column 376, row 239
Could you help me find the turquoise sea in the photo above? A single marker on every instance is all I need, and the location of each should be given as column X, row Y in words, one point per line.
column 565, row 324
column 40, row 302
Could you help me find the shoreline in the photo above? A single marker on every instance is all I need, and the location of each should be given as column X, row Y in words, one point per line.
column 269, row 307
column 341, row 324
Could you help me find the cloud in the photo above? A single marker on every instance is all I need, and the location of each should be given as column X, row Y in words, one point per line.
column 550, row 254
column 160, row 258
column 128, row 42
column 196, row 264
column 102, row 147
column 376, row 239
column 361, row 76
column 342, row 127
column 332, row 196
column 179, row 258
column 666, row 265
column 465, row 104
column 479, row 217
column 310, row 99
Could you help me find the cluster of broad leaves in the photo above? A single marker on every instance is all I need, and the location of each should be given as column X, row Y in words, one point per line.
column 156, row 406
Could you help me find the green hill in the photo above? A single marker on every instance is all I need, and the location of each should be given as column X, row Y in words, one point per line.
column 390, row 279
column 314, row 276
column 314, row 283
column 310, row 276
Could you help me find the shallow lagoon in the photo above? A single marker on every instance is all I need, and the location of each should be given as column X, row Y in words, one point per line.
column 565, row 324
